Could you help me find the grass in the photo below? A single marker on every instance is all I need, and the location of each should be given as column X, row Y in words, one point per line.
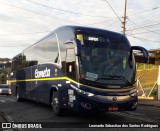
column 148, row 76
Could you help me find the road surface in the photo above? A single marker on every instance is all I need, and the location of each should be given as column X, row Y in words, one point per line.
column 35, row 112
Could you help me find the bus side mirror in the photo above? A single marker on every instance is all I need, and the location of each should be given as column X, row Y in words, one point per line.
column 77, row 44
column 143, row 50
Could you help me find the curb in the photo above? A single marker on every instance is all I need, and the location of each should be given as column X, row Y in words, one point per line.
column 145, row 98
column 148, row 101
column 148, row 105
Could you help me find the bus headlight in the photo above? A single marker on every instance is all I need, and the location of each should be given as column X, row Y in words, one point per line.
column 9, row 91
column 82, row 92
column 0, row 90
column 89, row 94
column 133, row 94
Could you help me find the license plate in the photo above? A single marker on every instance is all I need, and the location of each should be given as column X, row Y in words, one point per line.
column 113, row 108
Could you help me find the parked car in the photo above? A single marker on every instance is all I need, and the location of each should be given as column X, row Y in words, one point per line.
column 5, row 90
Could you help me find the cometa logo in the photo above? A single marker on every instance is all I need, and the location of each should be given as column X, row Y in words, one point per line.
column 42, row 74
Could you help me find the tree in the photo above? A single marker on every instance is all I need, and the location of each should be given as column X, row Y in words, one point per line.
column 4, row 75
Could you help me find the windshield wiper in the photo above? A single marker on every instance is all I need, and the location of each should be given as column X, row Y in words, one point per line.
column 91, row 82
column 109, row 77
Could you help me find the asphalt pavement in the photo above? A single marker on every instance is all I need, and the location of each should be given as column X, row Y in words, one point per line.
column 141, row 102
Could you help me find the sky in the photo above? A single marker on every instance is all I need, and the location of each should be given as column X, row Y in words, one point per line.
column 23, row 22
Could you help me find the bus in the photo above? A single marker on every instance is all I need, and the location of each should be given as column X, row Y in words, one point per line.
column 78, row 68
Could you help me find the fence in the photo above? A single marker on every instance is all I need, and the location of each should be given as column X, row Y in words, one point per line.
column 147, row 93
column 147, row 84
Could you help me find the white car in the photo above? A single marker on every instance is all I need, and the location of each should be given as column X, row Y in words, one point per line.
column 5, row 90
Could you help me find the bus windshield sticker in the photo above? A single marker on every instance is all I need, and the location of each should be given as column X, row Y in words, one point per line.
column 91, row 76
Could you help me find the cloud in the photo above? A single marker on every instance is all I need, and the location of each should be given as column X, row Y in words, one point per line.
column 28, row 17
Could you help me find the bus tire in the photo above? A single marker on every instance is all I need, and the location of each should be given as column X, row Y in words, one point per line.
column 55, row 104
column 18, row 98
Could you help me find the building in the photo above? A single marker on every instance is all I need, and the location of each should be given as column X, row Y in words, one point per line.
column 154, row 57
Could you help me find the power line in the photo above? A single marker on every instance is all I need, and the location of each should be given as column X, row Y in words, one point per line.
column 151, row 25
column 15, row 46
column 99, row 22
column 142, row 28
column 23, row 9
column 31, row 33
column 111, row 24
column 143, row 39
column 49, row 31
column 144, row 24
column 155, row 8
column 142, row 32
column 77, row 13
column 55, row 18
column 144, row 21
column 113, row 10
column 25, row 33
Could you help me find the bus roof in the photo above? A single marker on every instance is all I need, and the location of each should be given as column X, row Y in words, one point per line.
column 83, row 28
column 78, row 28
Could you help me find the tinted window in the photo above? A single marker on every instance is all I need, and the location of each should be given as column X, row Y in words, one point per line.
column 30, row 57
column 63, row 36
column 106, row 41
column 46, row 51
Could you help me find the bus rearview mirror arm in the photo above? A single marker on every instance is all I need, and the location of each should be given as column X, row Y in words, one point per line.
column 77, row 46
column 143, row 50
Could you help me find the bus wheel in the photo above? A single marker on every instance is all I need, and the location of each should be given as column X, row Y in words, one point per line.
column 55, row 104
column 19, row 99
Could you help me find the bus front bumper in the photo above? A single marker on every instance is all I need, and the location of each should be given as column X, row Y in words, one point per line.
column 84, row 103
column 101, row 104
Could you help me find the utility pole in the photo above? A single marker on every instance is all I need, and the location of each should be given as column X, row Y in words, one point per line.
column 124, row 18
column 158, row 83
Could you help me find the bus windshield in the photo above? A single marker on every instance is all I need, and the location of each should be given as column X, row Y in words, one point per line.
column 106, row 63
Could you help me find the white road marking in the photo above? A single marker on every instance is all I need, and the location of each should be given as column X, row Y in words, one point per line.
column 2, row 100
column 134, row 116
column 135, row 113
column 6, row 99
